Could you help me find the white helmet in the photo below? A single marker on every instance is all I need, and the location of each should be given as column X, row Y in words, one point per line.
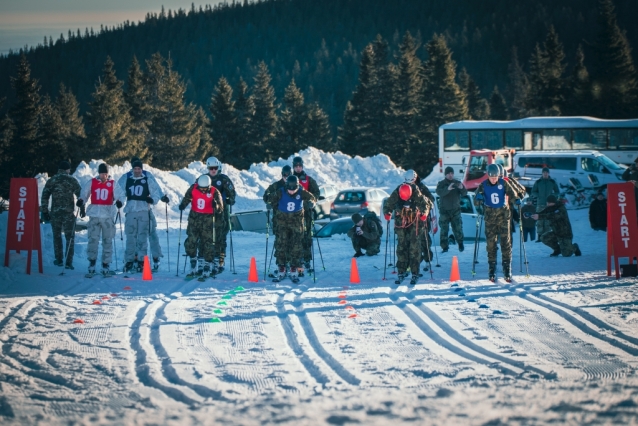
column 213, row 162
column 409, row 176
column 204, row 181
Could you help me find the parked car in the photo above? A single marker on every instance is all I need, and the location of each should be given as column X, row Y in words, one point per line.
column 357, row 200
column 337, row 226
column 327, row 194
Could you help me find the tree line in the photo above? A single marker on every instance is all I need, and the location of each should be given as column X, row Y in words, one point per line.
column 396, row 106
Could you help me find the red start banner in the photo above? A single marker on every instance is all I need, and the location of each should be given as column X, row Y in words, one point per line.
column 23, row 226
column 622, row 224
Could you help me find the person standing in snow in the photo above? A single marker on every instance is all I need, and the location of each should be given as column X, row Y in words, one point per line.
column 140, row 191
column 450, row 191
column 101, row 211
column 529, row 224
column 309, row 184
column 560, row 235
column 494, row 194
column 290, row 201
column 424, row 239
column 411, row 211
column 276, row 186
column 60, row 189
column 543, row 188
column 206, row 208
column 225, row 186
column 598, row 212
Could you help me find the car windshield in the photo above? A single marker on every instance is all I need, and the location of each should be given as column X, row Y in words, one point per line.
column 333, row 228
column 351, row 197
column 608, row 162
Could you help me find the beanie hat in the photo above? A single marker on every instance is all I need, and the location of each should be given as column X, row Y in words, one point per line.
column 356, row 218
column 135, row 158
column 449, row 169
column 136, row 163
column 64, row 165
column 552, row 198
column 545, row 169
column 102, row 168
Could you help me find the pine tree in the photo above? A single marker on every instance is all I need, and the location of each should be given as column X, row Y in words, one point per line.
column 205, row 148
column 547, row 94
column 110, row 123
column 73, row 132
column 245, row 113
column 518, row 87
column 380, row 107
column 615, row 82
column 317, row 132
column 264, row 123
column 292, row 122
column 135, row 96
column 478, row 107
column 6, row 135
column 25, row 117
column 580, row 102
column 174, row 129
column 223, row 128
column 498, row 107
column 51, row 140
column 443, row 101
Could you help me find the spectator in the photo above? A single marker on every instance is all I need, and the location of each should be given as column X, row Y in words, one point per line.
column 560, row 236
column 543, row 188
column 598, row 212
column 450, row 191
column 529, row 224
column 365, row 234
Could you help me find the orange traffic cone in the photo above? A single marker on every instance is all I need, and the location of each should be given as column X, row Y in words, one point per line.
column 454, row 274
column 146, row 275
column 252, row 273
column 354, row 272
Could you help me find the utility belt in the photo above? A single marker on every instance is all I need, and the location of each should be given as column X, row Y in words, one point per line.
column 406, row 217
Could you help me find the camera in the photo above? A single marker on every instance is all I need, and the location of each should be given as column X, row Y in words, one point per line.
column 527, row 215
column 358, row 228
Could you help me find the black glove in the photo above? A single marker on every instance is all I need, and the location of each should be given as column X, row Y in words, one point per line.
column 79, row 202
column 182, row 207
column 46, row 216
column 149, row 200
column 164, row 199
column 82, row 212
column 118, row 204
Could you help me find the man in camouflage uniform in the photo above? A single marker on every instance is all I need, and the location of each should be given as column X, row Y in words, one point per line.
column 276, row 186
column 224, row 185
column 309, row 184
column 495, row 193
column 290, row 201
column 365, row 234
column 450, row 191
column 520, row 191
column 206, row 208
column 543, row 188
column 411, row 210
column 560, row 236
column 424, row 237
column 61, row 188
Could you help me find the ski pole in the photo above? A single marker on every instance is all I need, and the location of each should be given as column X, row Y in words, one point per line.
column 232, row 252
column 179, row 241
column 114, row 244
column 520, row 224
column 476, row 237
column 312, row 232
column 214, row 245
column 436, row 252
column 70, row 242
column 119, row 214
column 427, row 250
column 312, row 250
column 387, row 239
column 394, row 263
column 267, row 235
column 168, row 250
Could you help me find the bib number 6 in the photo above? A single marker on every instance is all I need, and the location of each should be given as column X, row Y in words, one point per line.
column 495, row 199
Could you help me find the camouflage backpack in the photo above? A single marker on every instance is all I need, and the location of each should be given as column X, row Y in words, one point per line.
column 372, row 217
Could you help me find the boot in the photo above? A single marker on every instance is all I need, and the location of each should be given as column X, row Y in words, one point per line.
column 294, row 274
column 106, row 270
column 140, row 266
column 220, row 265
column 207, row 270
column 194, row 270
column 281, row 274
column 200, row 265
column 507, row 272
column 156, row 264
column 58, row 262
column 492, row 271
column 92, row 266
column 128, row 267
column 358, row 254
column 307, row 266
column 461, row 246
column 577, row 251
column 69, row 266
column 555, row 253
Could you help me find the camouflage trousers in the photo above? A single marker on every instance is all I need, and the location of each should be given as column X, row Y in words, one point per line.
column 497, row 226
column 105, row 227
column 199, row 236
column 136, row 227
column 63, row 222
column 408, row 249
column 222, row 228
column 542, row 226
column 307, row 237
column 564, row 245
column 156, row 250
column 372, row 247
column 450, row 217
column 289, row 239
column 426, row 244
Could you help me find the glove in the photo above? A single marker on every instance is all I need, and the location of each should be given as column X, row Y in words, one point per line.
column 164, row 199
column 79, row 202
column 182, row 207
column 149, row 200
column 82, row 212
column 118, row 204
column 517, row 202
column 46, row 216
column 423, row 217
column 479, row 197
column 387, row 216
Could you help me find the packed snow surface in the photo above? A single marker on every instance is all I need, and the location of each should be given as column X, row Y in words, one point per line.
column 558, row 345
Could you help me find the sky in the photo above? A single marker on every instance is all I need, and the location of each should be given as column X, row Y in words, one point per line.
column 27, row 22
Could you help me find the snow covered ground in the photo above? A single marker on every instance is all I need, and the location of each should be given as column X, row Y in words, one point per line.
column 557, row 346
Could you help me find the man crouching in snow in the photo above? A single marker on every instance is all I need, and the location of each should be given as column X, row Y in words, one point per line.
column 560, row 237
column 365, row 234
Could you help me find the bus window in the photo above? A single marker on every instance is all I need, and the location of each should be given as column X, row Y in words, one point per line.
column 590, row 139
column 537, row 141
column 457, row 140
column 487, row 139
column 623, row 139
column 514, row 139
column 557, row 139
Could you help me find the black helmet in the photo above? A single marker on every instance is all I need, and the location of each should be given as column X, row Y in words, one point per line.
column 492, row 170
column 292, row 183
column 286, row 171
column 297, row 161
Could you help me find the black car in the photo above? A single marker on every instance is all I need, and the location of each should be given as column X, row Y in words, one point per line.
column 337, row 226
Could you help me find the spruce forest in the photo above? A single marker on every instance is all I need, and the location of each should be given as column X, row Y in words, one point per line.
column 254, row 81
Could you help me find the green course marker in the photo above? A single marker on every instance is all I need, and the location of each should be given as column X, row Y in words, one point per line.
column 222, row 303
column 215, row 320
column 231, row 292
column 218, row 311
column 239, row 288
column 227, row 297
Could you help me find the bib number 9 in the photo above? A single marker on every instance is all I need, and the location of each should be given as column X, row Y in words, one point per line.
column 201, row 204
column 290, row 207
column 495, row 199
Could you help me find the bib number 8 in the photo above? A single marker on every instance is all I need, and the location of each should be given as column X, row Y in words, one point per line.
column 201, row 204
column 290, row 207
column 495, row 199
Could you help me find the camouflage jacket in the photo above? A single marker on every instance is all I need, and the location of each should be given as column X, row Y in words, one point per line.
column 369, row 228
column 60, row 188
column 558, row 220
column 417, row 203
column 271, row 190
column 313, row 187
column 225, row 186
column 282, row 217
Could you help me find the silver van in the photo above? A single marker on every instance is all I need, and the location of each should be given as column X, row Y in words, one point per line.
column 590, row 168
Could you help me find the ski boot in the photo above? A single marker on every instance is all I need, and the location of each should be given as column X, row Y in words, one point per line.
column 219, row 265
column 400, row 278
column 69, row 266
column 205, row 272
column 294, row 275
column 200, row 265
column 58, row 262
column 507, row 272
column 281, row 274
column 106, row 270
column 461, row 246
column 492, row 271
column 129, row 267
column 556, row 253
column 577, row 251
column 139, row 266
column 415, row 278
column 92, row 267
column 156, row 264
column 358, row 254
column 194, row 271
column 307, row 267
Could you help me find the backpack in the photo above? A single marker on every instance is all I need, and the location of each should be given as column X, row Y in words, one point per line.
column 373, row 218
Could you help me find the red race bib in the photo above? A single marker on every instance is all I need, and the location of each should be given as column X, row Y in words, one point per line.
column 102, row 193
column 202, row 203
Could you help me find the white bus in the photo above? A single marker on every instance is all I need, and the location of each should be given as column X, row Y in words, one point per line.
column 617, row 139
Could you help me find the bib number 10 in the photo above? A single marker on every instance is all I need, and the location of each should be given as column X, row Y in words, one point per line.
column 101, row 194
column 137, row 190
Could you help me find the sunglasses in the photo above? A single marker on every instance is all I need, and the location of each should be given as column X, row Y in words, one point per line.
column 213, row 168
